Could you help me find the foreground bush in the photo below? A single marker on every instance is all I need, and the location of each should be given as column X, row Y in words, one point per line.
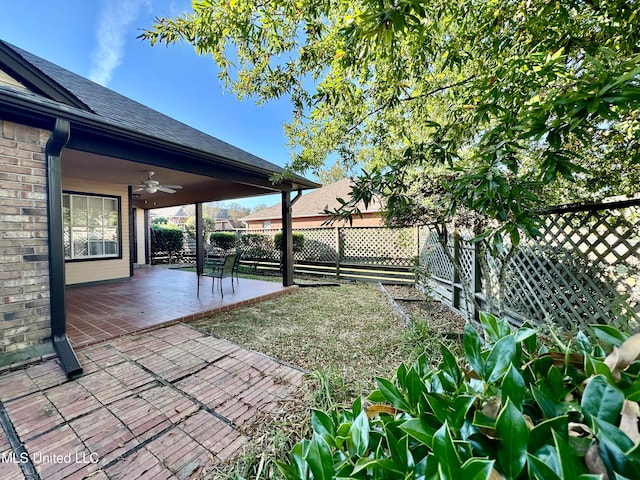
column 166, row 239
column 512, row 410
column 223, row 240
column 298, row 241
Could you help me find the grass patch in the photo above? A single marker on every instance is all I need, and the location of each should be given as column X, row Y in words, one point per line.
column 344, row 336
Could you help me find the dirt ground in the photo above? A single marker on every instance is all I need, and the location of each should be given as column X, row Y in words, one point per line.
column 419, row 307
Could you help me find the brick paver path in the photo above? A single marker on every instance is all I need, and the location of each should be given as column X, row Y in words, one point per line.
column 168, row 403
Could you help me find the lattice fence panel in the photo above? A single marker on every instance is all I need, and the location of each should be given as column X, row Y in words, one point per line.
column 586, row 270
column 320, row 245
column 433, row 257
column 379, row 246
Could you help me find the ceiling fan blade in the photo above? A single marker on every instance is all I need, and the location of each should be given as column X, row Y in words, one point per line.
column 138, row 189
column 175, row 187
column 163, row 188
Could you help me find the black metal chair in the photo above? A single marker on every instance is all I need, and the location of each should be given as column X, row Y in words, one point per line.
column 236, row 264
column 224, row 270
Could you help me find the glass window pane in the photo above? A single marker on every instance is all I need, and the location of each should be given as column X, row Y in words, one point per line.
column 96, row 248
column 95, row 211
column 80, row 242
column 78, row 210
column 90, row 226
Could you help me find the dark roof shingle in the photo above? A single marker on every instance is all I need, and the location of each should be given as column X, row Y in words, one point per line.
column 115, row 109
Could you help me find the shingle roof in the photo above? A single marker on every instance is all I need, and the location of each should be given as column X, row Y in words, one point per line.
column 314, row 203
column 112, row 108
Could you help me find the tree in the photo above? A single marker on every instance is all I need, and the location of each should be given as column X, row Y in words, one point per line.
column 503, row 99
column 333, row 173
column 208, row 226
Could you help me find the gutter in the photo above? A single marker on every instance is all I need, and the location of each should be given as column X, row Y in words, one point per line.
column 58, row 139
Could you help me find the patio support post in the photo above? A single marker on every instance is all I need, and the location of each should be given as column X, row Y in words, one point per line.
column 58, row 139
column 199, row 244
column 287, row 240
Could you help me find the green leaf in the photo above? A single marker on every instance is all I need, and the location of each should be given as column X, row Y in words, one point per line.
column 609, row 335
column 420, row 430
column 539, row 470
column 323, row 426
column 477, row 469
column 439, row 405
column 524, row 334
column 298, row 454
column 450, row 364
column 399, row 448
column 593, row 366
column 319, row 458
column 414, row 388
column 449, row 465
column 473, row 349
column 513, row 387
column 633, row 391
column 392, row 394
column 602, row 400
column 495, row 329
column 288, row 471
column 359, row 434
column 571, row 466
column 367, row 463
column 356, row 408
column 461, row 406
column 545, row 402
column 499, row 359
column 583, row 343
column 542, row 433
column 615, row 448
column 513, row 432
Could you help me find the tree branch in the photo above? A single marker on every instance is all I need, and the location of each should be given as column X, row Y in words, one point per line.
column 409, row 98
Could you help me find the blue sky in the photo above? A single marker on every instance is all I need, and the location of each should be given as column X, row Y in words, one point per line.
column 97, row 39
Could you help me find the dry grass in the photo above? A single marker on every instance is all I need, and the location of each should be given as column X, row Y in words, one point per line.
column 348, row 331
column 345, row 336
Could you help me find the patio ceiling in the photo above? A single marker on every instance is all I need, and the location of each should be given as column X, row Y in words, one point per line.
column 196, row 187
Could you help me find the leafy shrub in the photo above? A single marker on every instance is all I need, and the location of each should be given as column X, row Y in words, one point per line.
column 513, row 410
column 298, row 241
column 257, row 245
column 223, row 240
column 166, row 239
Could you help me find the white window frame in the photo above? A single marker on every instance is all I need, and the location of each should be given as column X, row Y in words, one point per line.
column 92, row 226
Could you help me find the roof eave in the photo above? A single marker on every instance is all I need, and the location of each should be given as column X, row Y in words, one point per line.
column 43, row 115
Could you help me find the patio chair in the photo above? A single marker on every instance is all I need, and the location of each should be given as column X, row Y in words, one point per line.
column 223, row 270
column 236, row 264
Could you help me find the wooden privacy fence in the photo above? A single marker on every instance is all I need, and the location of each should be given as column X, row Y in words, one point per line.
column 585, row 269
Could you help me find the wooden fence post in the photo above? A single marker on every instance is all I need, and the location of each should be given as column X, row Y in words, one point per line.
column 476, row 283
column 455, row 281
column 338, row 252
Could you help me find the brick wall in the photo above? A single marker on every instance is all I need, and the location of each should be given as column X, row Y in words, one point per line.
column 24, row 266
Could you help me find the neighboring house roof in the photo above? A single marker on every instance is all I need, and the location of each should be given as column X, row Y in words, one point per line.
column 314, row 203
column 56, row 92
column 169, row 212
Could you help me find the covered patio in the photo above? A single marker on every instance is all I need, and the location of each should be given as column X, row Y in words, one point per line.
column 153, row 297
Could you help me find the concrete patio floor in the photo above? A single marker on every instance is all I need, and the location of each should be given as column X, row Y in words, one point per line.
column 167, row 403
column 154, row 296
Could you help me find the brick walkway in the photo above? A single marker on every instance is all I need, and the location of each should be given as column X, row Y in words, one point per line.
column 168, row 403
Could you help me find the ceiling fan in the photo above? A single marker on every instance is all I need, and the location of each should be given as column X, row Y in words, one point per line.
column 150, row 185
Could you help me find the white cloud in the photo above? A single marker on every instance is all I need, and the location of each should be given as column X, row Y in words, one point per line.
column 114, row 20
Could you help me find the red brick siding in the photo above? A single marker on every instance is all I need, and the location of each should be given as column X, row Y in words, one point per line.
column 24, row 266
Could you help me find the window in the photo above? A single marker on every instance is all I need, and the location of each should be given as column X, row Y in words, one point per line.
column 266, row 224
column 91, row 226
